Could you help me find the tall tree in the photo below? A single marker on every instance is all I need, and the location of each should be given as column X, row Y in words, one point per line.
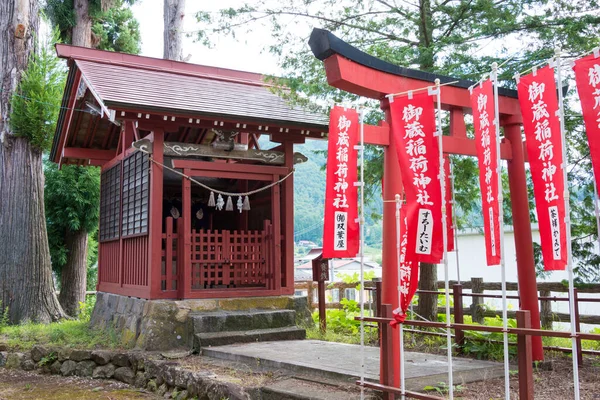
column 174, row 12
column 26, row 285
column 74, row 192
column 432, row 35
column 72, row 207
column 103, row 24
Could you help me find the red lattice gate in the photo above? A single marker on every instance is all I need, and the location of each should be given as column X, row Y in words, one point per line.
column 220, row 261
column 231, row 259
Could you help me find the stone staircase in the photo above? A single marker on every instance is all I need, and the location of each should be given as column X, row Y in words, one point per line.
column 218, row 328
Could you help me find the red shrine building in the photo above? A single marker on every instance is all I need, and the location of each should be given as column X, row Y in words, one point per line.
column 152, row 123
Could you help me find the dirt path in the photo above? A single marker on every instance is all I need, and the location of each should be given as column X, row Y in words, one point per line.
column 32, row 386
column 555, row 384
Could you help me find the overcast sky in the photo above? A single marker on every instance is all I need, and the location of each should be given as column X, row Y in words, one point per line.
column 227, row 52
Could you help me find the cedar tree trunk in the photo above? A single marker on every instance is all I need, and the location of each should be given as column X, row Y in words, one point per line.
column 82, row 31
column 26, row 285
column 427, row 306
column 174, row 11
column 73, row 276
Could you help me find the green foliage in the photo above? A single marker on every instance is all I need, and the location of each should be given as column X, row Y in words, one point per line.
column 355, row 277
column 114, row 28
column 86, row 308
column 118, row 30
column 3, row 317
column 36, row 102
column 67, row 333
column 72, row 200
column 92, row 260
column 309, row 199
column 49, row 359
column 442, row 388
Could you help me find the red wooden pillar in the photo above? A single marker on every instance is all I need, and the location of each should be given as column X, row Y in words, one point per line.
column 155, row 223
column 287, row 218
column 522, row 229
column 184, row 286
column 276, row 216
column 392, row 185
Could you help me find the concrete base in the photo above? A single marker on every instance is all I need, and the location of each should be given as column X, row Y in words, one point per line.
column 341, row 362
column 167, row 324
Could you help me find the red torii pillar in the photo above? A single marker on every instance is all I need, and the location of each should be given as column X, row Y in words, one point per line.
column 357, row 78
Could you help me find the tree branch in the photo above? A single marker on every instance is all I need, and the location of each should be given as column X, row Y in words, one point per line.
column 270, row 13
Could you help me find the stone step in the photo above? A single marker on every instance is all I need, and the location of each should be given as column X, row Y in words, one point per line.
column 220, row 321
column 207, row 339
column 301, row 389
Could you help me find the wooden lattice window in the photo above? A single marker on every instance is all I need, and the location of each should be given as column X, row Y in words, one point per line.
column 135, row 194
column 110, row 203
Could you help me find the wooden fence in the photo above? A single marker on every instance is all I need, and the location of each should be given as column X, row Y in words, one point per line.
column 478, row 310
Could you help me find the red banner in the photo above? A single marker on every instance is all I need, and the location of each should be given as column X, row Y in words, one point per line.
column 413, row 127
column 341, row 232
column 587, row 77
column 449, row 204
column 482, row 103
column 409, row 272
column 539, row 104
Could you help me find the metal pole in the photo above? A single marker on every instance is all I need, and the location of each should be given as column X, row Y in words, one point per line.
column 454, row 222
column 445, row 240
column 561, row 112
column 362, row 254
column 400, row 277
column 596, row 208
column 501, row 225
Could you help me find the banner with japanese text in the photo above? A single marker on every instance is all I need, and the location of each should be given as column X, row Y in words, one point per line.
column 587, row 77
column 482, row 103
column 539, row 105
column 449, row 204
column 409, row 272
column 341, row 231
column 413, row 128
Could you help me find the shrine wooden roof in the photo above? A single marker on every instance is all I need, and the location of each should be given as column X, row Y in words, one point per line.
column 106, row 88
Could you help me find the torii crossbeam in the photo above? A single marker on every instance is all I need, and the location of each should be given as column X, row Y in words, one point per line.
column 354, row 71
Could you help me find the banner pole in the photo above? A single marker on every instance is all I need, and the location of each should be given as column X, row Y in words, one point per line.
column 400, row 277
column 561, row 112
column 362, row 253
column 445, row 240
column 501, row 229
column 451, row 167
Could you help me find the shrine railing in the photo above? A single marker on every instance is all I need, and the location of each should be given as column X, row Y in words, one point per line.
column 171, row 254
column 220, row 260
column 232, row 259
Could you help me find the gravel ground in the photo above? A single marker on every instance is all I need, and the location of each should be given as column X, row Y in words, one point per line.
column 17, row 385
column 554, row 384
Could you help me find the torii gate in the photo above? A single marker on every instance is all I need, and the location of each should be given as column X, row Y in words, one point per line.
column 354, row 71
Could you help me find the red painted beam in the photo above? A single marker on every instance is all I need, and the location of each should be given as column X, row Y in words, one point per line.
column 68, row 117
column 234, row 167
column 356, row 78
column 88, row 154
column 379, row 135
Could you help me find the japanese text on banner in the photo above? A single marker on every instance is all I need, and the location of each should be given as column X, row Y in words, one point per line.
column 539, row 104
column 587, row 77
column 413, row 128
column 341, row 232
column 482, row 103
column 409, row 271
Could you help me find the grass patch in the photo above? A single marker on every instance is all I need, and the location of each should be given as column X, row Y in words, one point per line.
column 315, row 333
column 66, row 333
column 74, row 334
